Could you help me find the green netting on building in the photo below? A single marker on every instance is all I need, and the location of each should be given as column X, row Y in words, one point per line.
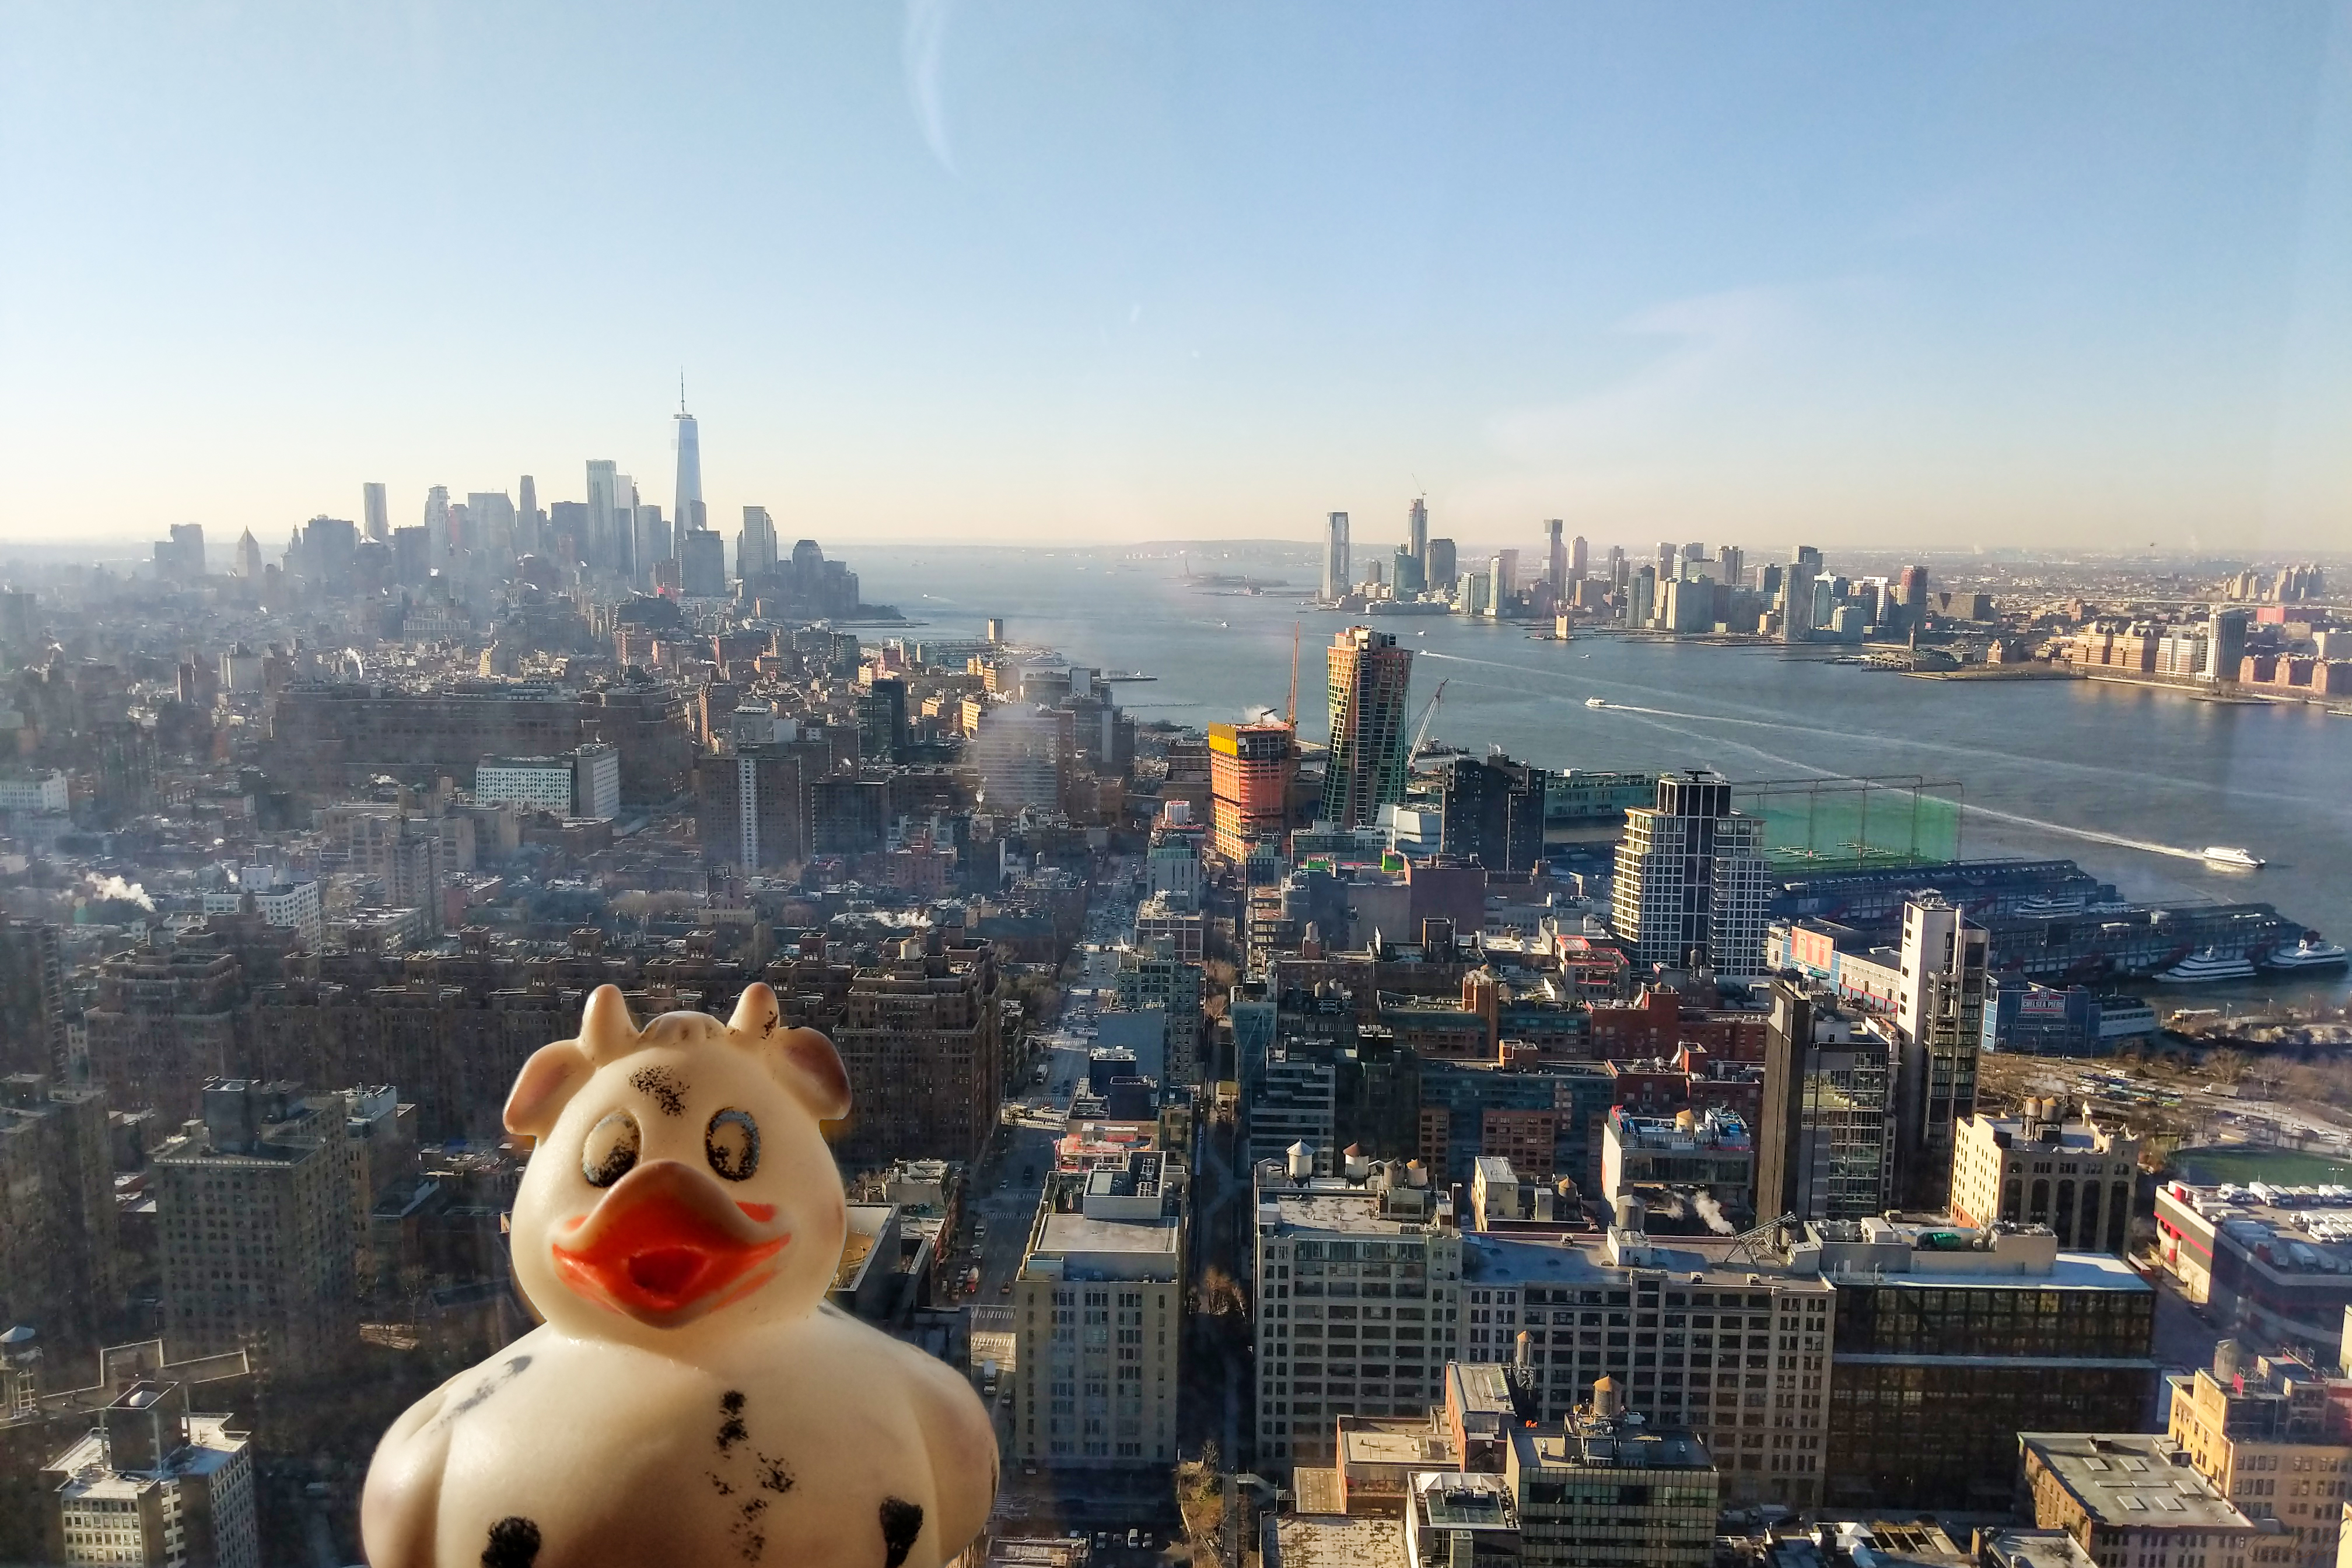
column 1844, row 824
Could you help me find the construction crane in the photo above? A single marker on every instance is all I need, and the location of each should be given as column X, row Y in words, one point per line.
column 1290, row 706
column 1428, row 717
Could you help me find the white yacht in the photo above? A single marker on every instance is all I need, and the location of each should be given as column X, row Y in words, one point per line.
column 2309, row 954
column 1596, row 702
column 2231, row 854
column 2200, row 967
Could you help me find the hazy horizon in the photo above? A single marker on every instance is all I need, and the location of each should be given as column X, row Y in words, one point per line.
column 2074, row 276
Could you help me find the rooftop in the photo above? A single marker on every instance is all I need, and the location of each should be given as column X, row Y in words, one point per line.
column 1608, row 1444
column 1489, row 1259
column 1335, row 1541
column 2133, row 1479
column 2306, row 1229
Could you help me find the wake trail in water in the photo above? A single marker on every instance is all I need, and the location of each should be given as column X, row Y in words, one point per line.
column 2092, row 834
column 1791, row 724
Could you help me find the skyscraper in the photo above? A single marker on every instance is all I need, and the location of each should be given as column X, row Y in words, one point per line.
column 1797, row 602
column 1556, row 559
column 1940, row 1020
column 1251, row 770
column 1825, row 1143
column 1370, row 677
column 376, row 513
column 1690, row 885
column 655, row 543
column 436, row 522
column 1439, row 571
column 1667, row 555
column 529, row 526
column 1578, row 558
column 1417, row 534
column 755, row 547
column 603, row 487
column 248, row 557
column 1502, row 582
column 1335, row 556
column 688, row 514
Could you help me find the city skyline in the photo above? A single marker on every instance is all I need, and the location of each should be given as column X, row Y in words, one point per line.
column 2003, row 281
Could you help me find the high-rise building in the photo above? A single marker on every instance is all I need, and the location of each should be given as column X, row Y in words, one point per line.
column 1252, row 771
column 1949, row 1344
column 1825, row 1136
column 2084, row 1194
column 33, row 999
column 254, row 1213
column 1336, row 581
column 1502, row 583
column 1721, row 1321
column 1492, row 813
column 1578, row 558
column 1601, row 1476
column 1939, row 1026
column 1417, row 534
column 1024, row 754
column 529, row 522
column 689, row 512
column 653, row 541
column 612, row 517
column 701, row 563
column 57, row 1260
column 1668, row 556
column 1796, row 597
column 1440, row 572
column 2225, row 643
column 375, row 512
column 436, row 523
column 1326, row 1344
column 1369, row 680
column 882, row 718
column 156, row 1483
column 752, row 805
column 1690, row 885
column 1911, row 589
column 755, row 547
column 921, row 1042
column 1097, row 1321
column 1556, row 559
column 248, row 557
column 2271, row 1434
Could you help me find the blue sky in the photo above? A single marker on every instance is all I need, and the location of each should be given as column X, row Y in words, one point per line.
column 1914, row 273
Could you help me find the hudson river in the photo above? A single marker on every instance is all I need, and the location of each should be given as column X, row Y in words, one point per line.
column 2130, row 781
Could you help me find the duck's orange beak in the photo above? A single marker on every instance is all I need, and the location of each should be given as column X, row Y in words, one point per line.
column 666, row 1246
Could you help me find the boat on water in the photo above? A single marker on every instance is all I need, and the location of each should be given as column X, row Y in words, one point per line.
column 2049, row 906
column 1596, row 702
column 2231, row 854
column 2309, row 954
column 2201, row 968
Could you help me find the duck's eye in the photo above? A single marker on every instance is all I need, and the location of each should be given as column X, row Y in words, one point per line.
column 733, row 1143
column 610, row 1151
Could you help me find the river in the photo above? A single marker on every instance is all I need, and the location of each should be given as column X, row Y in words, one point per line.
column 2131, row 782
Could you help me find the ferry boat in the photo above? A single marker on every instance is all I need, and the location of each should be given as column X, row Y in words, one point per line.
column 2229, row 855
column 2051, row 905
column 2307, row 954
column 2198, row 968
column 1596, row 702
